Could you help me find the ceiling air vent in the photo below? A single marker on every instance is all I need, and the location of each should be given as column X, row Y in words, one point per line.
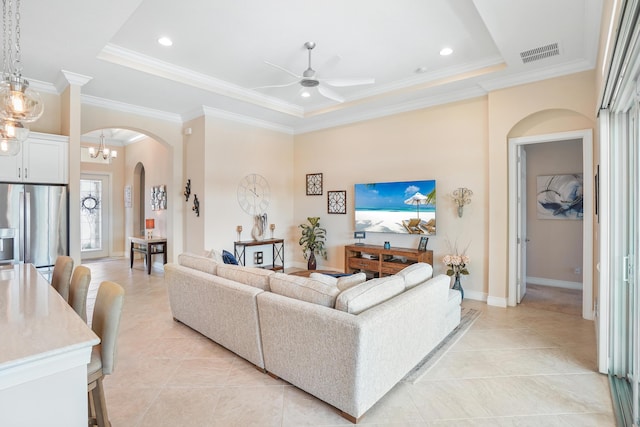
column 540, row 53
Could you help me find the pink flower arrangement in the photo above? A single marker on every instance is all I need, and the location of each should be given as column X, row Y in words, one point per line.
column 457, row 263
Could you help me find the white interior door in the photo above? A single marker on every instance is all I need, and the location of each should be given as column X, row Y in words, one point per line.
column 94, row 216
column 521, row 262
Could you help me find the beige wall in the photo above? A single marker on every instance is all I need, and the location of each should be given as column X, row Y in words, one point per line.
column 218, row 155
column 447, row 143
column 554, row 248
column 521, row 111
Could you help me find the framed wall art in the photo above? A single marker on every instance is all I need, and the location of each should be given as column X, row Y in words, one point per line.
column 337, row 202
column 314, row 184
column 560, row 196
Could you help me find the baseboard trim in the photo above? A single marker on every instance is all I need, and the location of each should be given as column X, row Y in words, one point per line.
column 476, row 296
column 497, row 302
column 554, row 283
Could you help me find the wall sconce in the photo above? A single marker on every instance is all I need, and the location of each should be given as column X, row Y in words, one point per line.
column 462, row 196
column 149, row 224
column 196, row 205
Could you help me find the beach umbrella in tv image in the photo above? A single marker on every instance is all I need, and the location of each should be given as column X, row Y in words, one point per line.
column 417, row 199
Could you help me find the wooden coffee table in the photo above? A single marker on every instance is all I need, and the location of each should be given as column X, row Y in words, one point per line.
column 307, row 273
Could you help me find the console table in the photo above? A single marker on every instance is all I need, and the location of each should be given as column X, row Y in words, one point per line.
column 277, row 250
column 380, row 261
column 148, row 247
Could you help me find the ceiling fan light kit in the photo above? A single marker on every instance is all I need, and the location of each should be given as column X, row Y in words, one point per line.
column 308, row 79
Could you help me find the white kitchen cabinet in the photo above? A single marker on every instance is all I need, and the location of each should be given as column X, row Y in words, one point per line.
column 43, row 159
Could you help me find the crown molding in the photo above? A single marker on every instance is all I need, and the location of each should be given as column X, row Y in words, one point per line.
column 147, row 64
column 239, row 118
column 577, row 66
column 67, row 78
column 130, row 108
column 41, row 86
column 391, row 110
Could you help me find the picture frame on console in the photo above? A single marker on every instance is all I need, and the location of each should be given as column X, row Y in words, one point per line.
column 422, row 246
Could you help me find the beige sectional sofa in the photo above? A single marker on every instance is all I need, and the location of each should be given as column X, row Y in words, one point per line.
column 346, row 341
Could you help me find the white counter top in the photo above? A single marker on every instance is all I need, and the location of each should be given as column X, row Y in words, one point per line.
column 44, row 350
column 35, row 321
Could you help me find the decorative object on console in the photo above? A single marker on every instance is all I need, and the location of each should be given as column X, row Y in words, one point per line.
column 314, row 184
column 312, row 241
column 359, row 235
column 158, row 197
column 258, row 258
column 239, row 231
column 149, row 225
column 387, row 245
column 196, row 205
column 259, row 225
column 462, row 196
column 187, row 190
column 396, row 207
column 272, row 227
column 337, row 202
column 422, row 246
column 456, row 263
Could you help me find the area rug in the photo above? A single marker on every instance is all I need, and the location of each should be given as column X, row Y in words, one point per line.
column 467, row 317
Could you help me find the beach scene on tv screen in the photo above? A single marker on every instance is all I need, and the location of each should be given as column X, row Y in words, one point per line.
column 396, row 207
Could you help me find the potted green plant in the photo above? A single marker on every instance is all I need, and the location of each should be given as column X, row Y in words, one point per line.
column 312, row 241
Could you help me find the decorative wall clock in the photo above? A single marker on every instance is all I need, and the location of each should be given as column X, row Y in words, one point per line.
column 314, row 184
column 254, row 194
column 337, row 202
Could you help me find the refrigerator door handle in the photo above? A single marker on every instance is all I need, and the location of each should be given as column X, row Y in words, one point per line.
column 27, row 229
column 21, row 227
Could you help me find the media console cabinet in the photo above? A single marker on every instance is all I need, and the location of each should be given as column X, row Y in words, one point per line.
column 378, row 261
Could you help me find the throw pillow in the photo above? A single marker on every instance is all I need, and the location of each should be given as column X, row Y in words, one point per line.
column 370, row 293
column 228, row 258
column 216, row 255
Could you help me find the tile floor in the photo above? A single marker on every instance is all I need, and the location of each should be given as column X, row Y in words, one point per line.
column 520, row 366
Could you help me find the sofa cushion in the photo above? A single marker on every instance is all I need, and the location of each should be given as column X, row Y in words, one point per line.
column 256, row 277
column 197, row 262
column 415, row 274
column 342, row 283
column 303, row 288
column 370, row 293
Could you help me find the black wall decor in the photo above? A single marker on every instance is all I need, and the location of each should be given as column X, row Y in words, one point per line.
column 187, row 190
column 196, row 205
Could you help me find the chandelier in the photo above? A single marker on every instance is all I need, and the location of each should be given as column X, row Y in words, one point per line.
column 102, row 150
column 18, row 103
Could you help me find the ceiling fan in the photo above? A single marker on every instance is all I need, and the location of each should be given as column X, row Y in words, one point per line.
column 308, row 79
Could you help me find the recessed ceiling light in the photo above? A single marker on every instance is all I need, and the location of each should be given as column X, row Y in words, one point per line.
column 165, row 41
column 446, row 51
column 305, row 94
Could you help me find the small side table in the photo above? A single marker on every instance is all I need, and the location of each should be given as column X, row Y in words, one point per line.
column 148, row 247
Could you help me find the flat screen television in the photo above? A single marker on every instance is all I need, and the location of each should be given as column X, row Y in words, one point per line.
column 396, row 207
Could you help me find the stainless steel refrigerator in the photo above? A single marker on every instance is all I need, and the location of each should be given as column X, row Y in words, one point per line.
column 34, row 223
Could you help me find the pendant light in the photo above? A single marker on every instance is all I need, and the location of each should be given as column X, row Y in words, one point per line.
column 102, row 150
column 18, row 101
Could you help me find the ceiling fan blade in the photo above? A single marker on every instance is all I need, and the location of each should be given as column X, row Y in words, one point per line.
column 284, row 85
column 291, row 73
column 349, row 82
column 325, row 91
